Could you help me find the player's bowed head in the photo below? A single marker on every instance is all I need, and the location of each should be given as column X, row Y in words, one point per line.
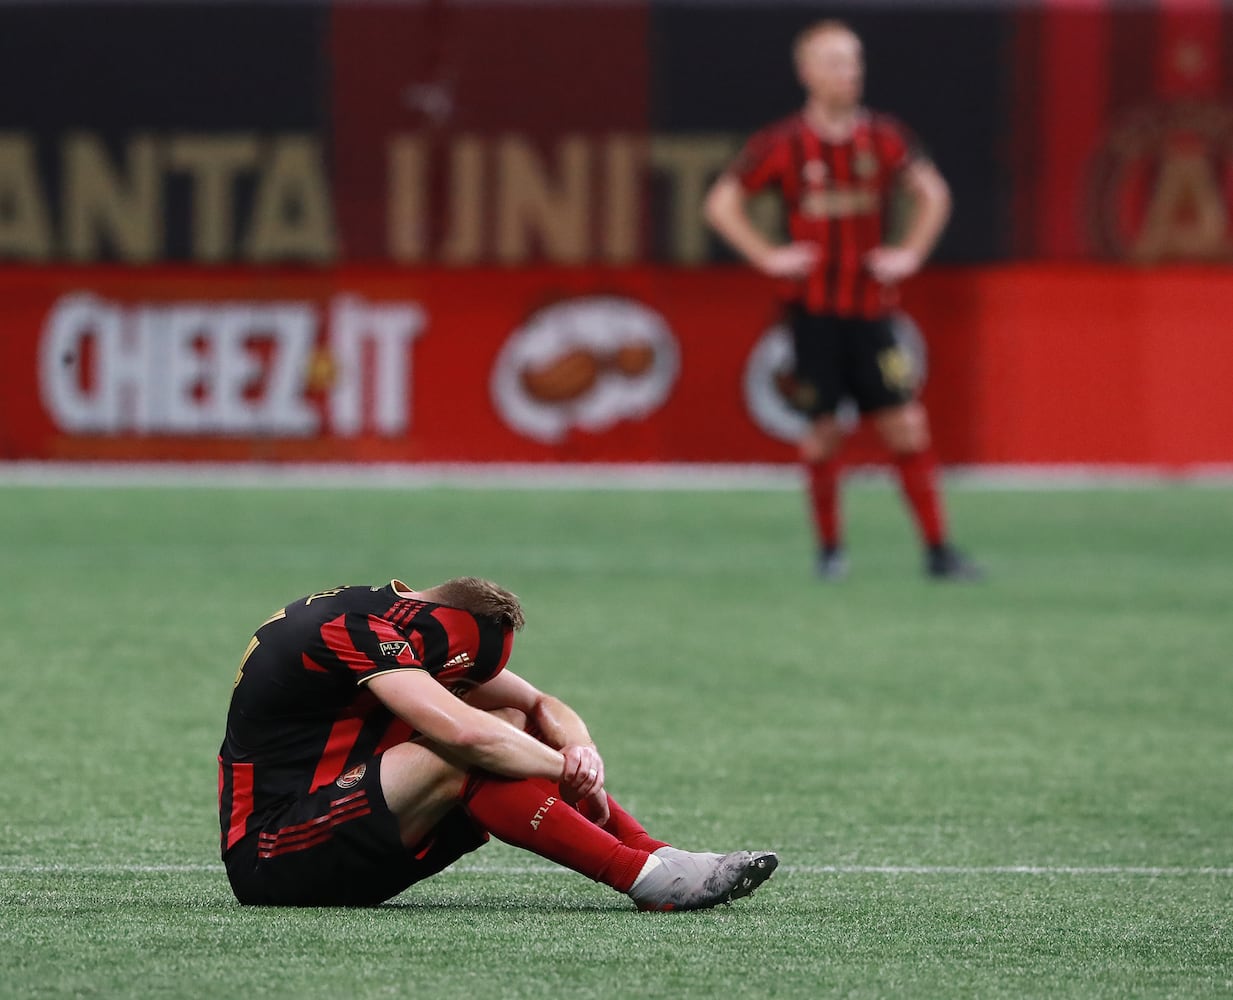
column 480, row 597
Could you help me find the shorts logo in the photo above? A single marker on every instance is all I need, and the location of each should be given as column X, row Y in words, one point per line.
column 395, row 649
column 349, row 779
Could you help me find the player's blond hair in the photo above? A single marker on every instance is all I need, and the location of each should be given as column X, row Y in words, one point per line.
column 482, row 598
column 826, row 26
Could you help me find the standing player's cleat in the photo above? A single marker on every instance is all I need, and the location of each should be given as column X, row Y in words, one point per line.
column 832, row 564
column 684, row 880
column 942, row 562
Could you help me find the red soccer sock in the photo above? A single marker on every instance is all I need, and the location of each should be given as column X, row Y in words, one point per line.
column 824, row 501
column 531, row 814
column 624, row 827
column 918, row 478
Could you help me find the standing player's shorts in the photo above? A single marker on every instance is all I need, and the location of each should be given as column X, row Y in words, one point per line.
column 340, row 846
column 840, row 357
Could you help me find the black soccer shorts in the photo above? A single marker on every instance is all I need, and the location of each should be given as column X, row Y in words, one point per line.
column 339, row 846
column 839, row 357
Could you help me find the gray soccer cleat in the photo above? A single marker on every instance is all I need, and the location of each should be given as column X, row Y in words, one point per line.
column 687, row 881
column 831, row 564
column 944, row 562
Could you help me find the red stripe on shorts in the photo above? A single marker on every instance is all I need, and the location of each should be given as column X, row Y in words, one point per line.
column 314, row 832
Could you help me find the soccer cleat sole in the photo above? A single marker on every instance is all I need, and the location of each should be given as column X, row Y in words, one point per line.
column 758, row 871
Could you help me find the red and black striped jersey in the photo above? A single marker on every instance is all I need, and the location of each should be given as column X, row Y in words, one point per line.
column 301, row 713
column 837, row 195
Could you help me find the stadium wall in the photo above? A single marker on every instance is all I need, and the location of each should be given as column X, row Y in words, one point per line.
column 469, row 230
column 459, row 133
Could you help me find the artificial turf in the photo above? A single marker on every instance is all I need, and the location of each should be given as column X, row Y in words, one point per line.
column 1013, row 789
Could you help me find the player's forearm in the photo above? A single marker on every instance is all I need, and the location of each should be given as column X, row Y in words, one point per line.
column 930, row 214
column 559, row 724
column 725, row 213
column 501, row 748
column 464, row 735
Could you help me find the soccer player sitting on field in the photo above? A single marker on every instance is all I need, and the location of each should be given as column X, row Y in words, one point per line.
column 374, row 737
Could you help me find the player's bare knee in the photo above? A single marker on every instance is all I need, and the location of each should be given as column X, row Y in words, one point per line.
column 513, row 716
column 812, row 453
column 905, row 430
column 413, row 773
column 821, row 442
column 909, row 441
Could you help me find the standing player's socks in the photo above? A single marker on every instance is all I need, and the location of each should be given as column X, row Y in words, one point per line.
column 623, row 826
column 918, row 478
column 531, row 814
column 824, row 502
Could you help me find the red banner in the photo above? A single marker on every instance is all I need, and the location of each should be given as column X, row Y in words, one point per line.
column 381, row 366
column 627, row 365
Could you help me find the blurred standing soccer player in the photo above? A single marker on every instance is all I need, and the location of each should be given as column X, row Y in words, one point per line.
column 837, row 166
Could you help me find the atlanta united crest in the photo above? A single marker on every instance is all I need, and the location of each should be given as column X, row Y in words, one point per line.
column 1157, row 185
column 351, row 778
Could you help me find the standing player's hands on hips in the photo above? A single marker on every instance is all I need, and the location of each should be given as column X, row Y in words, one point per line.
column 795, row 260
column 890, row 265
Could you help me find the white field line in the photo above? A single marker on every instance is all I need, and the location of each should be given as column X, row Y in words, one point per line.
column 1143, row 871
column 596, row 476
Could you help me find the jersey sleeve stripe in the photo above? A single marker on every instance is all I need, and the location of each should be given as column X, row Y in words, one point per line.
column 385, row 632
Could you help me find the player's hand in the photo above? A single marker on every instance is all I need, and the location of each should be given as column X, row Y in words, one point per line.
column 583, row 774
column 598, row 813
column 890, row 265
column 795, row 260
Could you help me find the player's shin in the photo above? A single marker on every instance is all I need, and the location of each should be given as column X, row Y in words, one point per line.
column 823, row 490
column 918, row 480
column 530, row 813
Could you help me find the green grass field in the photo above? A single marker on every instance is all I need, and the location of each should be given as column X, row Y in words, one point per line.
column 1018, row 789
